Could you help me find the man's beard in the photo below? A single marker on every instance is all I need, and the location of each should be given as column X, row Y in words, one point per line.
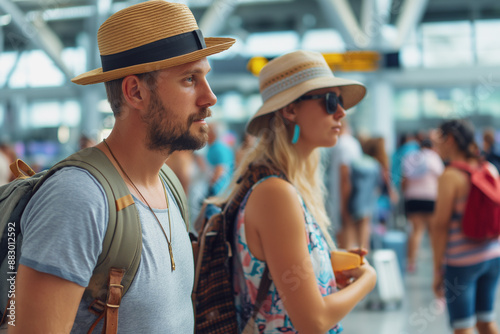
column 164, row 135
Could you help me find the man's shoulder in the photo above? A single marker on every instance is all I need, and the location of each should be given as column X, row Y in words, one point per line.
column 73, row 176
column 74, row 184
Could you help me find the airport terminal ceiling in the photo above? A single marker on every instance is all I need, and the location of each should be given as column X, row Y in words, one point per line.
column 378, row 25
column 60, row 35
column 67, row 19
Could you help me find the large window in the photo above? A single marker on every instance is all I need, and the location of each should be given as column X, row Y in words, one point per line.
column 439, row 102
column 447, row 44
column 7, row 61
column 47, row 114
column 488, row 42
column 271, row 43
column 35, row 69
column 323, row 40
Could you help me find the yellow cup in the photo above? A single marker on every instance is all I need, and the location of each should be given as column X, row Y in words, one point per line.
column 343, row 260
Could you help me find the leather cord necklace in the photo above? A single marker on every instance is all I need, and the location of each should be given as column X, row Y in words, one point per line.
column 169, row 241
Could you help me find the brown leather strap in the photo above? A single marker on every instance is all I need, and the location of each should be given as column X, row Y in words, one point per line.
column 20, row 169
column 115, row 290
column 95, row 323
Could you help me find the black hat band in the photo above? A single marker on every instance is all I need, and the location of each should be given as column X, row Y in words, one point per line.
column 158, row 50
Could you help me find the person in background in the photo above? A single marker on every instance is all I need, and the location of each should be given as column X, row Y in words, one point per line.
column 389, row 195
column 466, row 272
column 10, row 155
column 5, row 173
column 338, row 161
column 407, row 144
column 366, row 180
column 421, row 170
column 160, row 101
column 282, row 223
column 183, row 165
column 490, row 150
column 220, row 158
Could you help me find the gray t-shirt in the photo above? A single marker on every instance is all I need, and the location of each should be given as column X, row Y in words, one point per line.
column 63, row 228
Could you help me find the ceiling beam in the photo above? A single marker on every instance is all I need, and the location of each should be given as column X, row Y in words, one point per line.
column 408, row 19
column 216, row 16
column 37, row 33
column 340, row 15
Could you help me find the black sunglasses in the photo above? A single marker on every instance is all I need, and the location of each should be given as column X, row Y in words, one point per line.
column 332, row 101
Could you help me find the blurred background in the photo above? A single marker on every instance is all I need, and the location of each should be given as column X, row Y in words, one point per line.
column 422, row 60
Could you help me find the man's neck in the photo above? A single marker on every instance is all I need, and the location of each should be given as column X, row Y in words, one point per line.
column 137, row 162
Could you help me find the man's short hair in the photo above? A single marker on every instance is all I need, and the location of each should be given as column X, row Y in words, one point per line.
column 115, row 94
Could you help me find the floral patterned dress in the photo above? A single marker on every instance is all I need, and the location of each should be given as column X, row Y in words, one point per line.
column 272, row 317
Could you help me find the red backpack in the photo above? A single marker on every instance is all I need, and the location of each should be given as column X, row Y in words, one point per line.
column 481, row 219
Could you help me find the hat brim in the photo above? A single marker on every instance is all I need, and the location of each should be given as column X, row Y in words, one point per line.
column 213, row 45
column 352, row 93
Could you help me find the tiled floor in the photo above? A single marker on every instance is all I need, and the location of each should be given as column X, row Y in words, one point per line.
column 420, row 313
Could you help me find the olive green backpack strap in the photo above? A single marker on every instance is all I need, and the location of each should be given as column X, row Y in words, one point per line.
column 178, row 191
column 122, row 245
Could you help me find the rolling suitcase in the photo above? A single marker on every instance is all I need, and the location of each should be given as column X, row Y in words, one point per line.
column 389, row 290
column 398, row 242
column 391, row 239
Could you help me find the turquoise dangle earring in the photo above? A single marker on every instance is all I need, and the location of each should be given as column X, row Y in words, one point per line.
column 296, row 133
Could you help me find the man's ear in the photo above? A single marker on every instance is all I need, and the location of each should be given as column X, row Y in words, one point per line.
column 289, row 113
column 133, row 92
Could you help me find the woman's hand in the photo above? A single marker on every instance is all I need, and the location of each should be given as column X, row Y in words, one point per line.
column 438, row 284
column 345, row 278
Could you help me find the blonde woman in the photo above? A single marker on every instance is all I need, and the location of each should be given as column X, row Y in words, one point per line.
column 281, row 222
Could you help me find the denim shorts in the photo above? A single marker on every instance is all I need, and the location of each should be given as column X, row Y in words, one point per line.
column 470, row 293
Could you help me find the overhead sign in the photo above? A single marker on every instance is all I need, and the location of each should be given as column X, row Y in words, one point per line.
column 350, row 61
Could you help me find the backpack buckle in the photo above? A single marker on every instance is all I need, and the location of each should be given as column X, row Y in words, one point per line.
column 97, row 307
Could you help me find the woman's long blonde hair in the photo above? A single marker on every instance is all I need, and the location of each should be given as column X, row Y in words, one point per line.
column 274, row 148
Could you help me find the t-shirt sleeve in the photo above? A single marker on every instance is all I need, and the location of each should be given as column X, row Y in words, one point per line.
column 64, row 225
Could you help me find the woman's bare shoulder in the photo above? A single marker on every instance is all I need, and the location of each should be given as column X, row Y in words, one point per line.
column 273, row 191
column 274, row 199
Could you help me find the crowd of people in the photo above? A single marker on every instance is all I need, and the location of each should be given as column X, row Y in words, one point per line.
column 329, row 189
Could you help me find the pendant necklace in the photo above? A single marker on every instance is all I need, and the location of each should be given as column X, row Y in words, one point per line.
column 169, row 241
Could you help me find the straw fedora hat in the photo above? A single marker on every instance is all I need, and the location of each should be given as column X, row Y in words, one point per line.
column 149, row 36
column 288, row 77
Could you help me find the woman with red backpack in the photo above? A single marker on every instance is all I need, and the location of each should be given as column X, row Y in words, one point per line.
column 466, row 267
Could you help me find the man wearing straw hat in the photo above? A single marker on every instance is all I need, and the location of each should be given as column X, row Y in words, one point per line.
column 154, row 67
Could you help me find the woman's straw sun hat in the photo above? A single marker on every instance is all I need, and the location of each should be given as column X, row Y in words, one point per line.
column 286, row 78
column 149, row 36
